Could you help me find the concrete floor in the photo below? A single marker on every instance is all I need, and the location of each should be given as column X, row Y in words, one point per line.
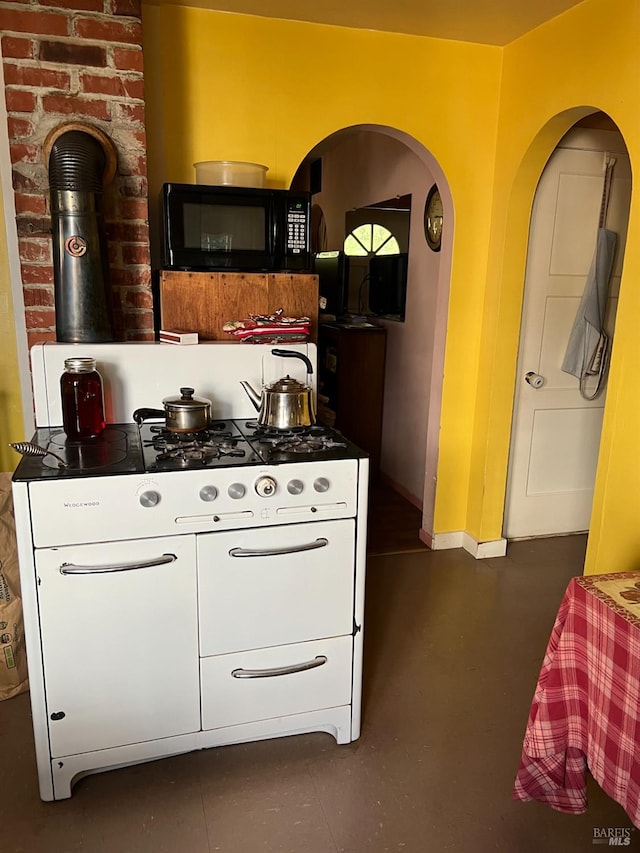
column 453, row 647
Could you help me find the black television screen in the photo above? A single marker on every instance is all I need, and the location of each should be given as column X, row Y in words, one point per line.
column 388, row 285
column 332, row 269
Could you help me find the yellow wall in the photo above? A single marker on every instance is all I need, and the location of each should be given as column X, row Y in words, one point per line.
column 247, row 88
column 584, row 60
column 11, row 427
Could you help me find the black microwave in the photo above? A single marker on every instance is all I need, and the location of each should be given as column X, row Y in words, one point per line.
column 236, row 229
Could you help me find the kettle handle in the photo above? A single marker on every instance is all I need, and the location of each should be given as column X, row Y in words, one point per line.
column 287, row 353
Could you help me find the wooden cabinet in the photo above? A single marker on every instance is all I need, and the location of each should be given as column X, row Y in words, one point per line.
column 203, row 302
column 351, row 361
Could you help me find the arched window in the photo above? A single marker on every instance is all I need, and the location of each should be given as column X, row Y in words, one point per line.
column 371, row 239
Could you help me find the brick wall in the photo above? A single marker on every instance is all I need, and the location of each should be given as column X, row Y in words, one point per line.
column 78, row 60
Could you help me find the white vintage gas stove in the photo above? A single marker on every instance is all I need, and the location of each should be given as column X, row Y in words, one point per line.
column 181, row 594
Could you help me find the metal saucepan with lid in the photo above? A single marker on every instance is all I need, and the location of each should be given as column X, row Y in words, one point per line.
column 185, row 413
column 286, row 403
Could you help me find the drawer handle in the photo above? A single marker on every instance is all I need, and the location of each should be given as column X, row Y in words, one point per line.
column 275, row 552
column 73, row 569
column 319, row 660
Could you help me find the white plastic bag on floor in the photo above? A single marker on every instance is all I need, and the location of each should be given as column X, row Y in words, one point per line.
column 13, row 660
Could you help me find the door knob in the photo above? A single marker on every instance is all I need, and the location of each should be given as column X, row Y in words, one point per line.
column 534, row 379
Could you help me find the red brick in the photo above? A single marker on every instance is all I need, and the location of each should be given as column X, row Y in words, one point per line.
column 21, row 153
column 19, row 127
column 129, row 113
column 128, row 59
column 24, row 183
column 37, row 250
column 135, row 255
column 137, row 298
column 43, row 23
column 30, row 203
column 134, row 186
column 80, row 5
column 132, row 8
column 36, row 274
column 138, row 319
column 131, row 277
column 70, row 105
column 33, row 226
column 125, row 32
column 73, row 53
column 133, row 166
column 17, row 74
column 99, row 84
column 19, row 101
column 40, row 318
column 133, row 208
column 41, row 297
column 34, row 338
column 115, row 85
column 142, row 336
column 128, row 232
column 17, row 48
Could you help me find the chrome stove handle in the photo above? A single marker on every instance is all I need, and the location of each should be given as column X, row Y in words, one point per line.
column 319, row 660
column 73, row 569
column 275, row 552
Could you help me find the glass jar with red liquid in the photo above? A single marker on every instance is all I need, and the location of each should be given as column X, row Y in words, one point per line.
column 82, row 399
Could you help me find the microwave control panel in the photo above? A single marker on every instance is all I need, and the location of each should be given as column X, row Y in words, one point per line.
column 297, row 227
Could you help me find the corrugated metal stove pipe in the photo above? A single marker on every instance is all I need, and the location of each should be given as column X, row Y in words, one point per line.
column 78, row 164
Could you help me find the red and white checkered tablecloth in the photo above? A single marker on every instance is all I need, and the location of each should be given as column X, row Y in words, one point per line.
column 586, row 706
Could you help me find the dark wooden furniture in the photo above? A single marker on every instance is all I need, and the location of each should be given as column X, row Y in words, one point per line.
column 351, row 362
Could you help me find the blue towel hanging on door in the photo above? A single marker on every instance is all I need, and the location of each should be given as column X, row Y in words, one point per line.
column 588, row 325
column 587, row 352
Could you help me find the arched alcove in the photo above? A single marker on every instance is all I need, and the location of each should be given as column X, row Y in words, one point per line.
column 356, row 167
column 505, row 375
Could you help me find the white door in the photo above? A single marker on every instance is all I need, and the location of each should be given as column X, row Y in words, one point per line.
column 555, row 432
column 120, row 648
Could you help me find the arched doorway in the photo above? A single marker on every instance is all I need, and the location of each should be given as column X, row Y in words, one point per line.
column 556, row 429
column 356, row 168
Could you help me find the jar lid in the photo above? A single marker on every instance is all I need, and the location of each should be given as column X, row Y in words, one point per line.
column 80, row 365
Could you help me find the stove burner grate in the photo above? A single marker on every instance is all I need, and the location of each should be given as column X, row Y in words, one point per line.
column 216, row 442
column 298, row 441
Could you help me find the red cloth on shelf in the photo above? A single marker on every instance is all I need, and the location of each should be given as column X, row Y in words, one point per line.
column 270, row 328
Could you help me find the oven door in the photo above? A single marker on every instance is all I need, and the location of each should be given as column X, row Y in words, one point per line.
column 275, row 585
column 119, row 642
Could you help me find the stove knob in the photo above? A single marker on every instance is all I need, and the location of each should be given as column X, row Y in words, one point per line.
column 295, row 487
column 321, row 484
column 236, row 491
column 266, row 487
column 149, row 499
column 208, row 493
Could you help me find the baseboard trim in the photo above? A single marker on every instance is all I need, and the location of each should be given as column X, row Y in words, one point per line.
column 460, row 539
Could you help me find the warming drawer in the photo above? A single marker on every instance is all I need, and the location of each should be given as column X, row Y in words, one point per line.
column 259, row 685
column 275, row 585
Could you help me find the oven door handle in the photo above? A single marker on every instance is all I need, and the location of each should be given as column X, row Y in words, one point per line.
column 319, row 660
column 73, row 569
column 276, row 552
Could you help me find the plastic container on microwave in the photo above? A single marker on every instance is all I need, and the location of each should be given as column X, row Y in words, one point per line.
column 230, row 173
